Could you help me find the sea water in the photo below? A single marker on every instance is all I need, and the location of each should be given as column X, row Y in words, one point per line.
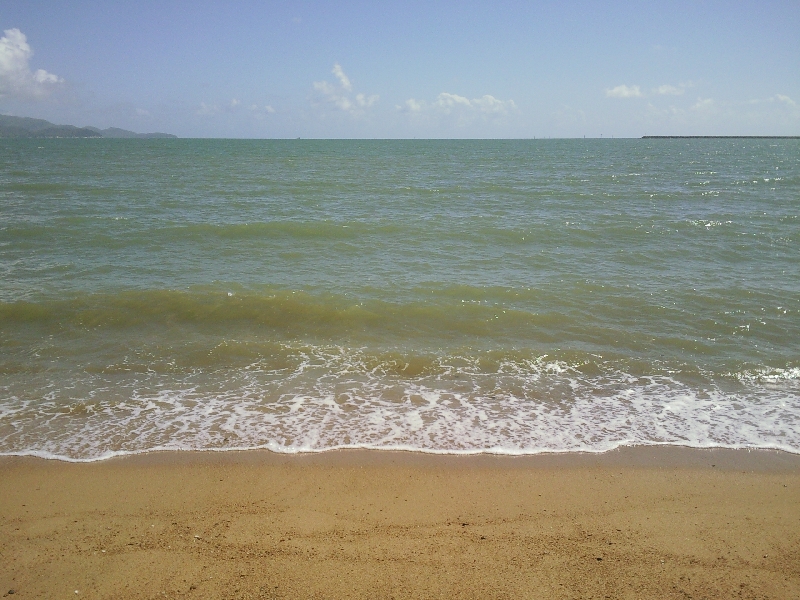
column 442, row 296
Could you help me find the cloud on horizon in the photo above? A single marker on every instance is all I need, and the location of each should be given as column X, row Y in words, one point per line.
column 447, row 103
column 785, row 99
column 670, row 90
column 16, row 78
column 624, row 91
column 339, row 95
column 703, row 104
column 267, row 108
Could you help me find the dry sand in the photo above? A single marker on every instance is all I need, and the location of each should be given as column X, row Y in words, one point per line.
column 636, row 523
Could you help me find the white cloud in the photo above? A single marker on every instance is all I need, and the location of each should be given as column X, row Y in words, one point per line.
column 707, row 116
column 339, row 96
column 490, row 104
column 669, row 90
column 326, row 88
column 460, row 110
column 703, row 104
column 366, row 101
column 212, row 109
column 259, row 113
column 16, row 78
column 624, row 91
column 773, row 99
column 448, row 103
column 207, row 109
column 267, row 109
column 412, row 106
column 343, row 79
column 142, row 112
column 333, row 94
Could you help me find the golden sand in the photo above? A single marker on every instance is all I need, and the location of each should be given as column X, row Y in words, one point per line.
column 638, row 523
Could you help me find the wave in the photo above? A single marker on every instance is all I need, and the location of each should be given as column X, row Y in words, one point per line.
column 294, row 312
column 228, row 324
column 301, row 398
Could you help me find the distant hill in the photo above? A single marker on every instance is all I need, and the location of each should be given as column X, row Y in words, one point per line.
column 116, row 132
column 25, row 127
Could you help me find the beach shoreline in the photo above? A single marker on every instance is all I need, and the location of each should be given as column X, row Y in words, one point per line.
column 639, row 455
column 638, row 522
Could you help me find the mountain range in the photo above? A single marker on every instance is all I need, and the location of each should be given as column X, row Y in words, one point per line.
column 25, row 127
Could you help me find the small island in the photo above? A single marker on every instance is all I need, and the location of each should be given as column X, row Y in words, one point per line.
column 26, row 127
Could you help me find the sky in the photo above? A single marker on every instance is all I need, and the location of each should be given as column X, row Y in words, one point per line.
column 389, row 69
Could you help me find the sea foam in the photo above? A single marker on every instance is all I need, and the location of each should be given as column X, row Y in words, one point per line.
column 335, row 398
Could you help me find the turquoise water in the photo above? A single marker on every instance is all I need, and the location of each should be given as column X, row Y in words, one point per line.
column 442, row 296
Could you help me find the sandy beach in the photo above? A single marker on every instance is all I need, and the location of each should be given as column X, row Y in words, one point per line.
column 635, row 523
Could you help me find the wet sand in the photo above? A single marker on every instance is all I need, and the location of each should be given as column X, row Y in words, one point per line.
column 635, row 523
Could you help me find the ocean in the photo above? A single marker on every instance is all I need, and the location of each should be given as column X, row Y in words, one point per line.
column 476, row 296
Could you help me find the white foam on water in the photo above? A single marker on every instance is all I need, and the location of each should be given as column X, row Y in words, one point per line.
column 337, row 399
column 765, row 375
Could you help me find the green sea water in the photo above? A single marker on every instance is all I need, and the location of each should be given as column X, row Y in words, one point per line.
column 444, row 296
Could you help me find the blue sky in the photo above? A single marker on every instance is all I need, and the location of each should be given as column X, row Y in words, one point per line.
column 405, row 69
